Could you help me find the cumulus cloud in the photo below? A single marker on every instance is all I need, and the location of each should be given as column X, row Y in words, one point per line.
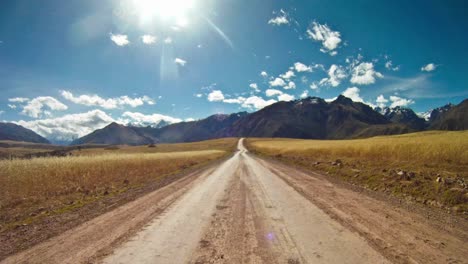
column 429, row 67
column 180, row 61
column 290, row 85
column 336, row 74
column 353, row 94
column 109, row 103
column 273, row 92
column 330, row 39
column 36, row 107
column 120, row 40
column 69, row 127
column 381, row 101
column 287, row 75
column 399, row 101
column 148, row 39
column 257, row 102
column 139, row 119
column 254, row 86
column 304, row 94
column 281, row 19
column 216, row 96
column 285, row 97
column 280, row 95
column 168, row 40
column 300, row 67
column 277, row 82
column 264, row 74
column 364, row 74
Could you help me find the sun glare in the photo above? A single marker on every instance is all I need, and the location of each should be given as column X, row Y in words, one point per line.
column 167, row 10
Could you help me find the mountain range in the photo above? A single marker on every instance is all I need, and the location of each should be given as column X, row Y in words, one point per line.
column 309, row 118
column 10, row 131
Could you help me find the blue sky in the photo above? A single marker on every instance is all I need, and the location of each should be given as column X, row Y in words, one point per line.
column 69, row 67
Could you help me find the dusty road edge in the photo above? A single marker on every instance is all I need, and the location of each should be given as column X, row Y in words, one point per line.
column 398, row 252
column 53, row 248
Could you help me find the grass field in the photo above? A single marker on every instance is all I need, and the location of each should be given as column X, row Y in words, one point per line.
column 32, row 189
column 428, row 167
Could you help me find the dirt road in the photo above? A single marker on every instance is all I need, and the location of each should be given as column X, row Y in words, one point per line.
column 248, row 210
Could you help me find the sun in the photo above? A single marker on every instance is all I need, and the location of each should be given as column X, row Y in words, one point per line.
column 167, row 10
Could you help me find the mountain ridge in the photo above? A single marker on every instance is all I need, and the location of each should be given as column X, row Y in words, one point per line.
column 10, row 131
column 309, row 118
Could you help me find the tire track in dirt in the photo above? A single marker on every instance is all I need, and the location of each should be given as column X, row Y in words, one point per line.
column 85, row 243
column 400, row 235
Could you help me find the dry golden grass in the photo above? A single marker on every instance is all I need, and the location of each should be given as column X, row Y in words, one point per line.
column 375, row 162
column 224, row 144
column 31, row 189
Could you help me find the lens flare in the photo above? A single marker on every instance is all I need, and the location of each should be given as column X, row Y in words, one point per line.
column 176, row 10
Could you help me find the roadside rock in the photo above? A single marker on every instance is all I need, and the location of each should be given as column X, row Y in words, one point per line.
column 337, row 162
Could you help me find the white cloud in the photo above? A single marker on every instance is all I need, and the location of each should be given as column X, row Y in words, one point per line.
column 199, row 95
column 168, row 40
column 148, row 39
column 180, row 62
column 216, row 96
column 304, row 94
column 314, row 86
column 119, row 40
column 273, row 92
column 285, row 97
column 280, row 95
column 287, row 75
column 429, row 67
column 277, row 82
column 109, row 103
column 35, row 107
column 12, row 106
column 139, row 119
column 291, row 85
column 238, row 100
column 254, row 86
column 364, row 74
column 257, row 102
column 330, row 39
column 18, row 100
column 353, row 94
column 381, row 101
column 281, row 19
column 264, row 74
column 336, row 74
column 389, row 66
column 300, row 67
column 69, row 127
column 398, row 101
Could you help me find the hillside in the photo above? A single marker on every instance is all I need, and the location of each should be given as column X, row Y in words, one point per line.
column 455, row 118
column 311, row 118
column 10, row 131
column 114, row 134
